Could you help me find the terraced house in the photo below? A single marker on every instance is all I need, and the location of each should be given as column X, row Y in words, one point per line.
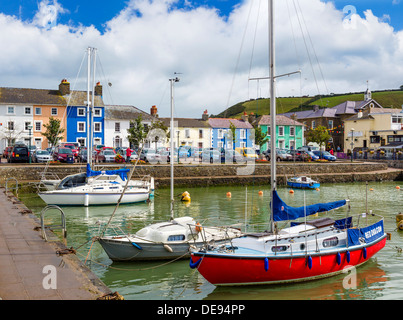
column 289, row 132
column 23, row 113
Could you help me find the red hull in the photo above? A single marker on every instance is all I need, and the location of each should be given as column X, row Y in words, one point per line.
column 245, row 271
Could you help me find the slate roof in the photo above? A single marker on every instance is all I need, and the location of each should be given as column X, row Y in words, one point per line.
column 280, row 120
column 44, row 97
column 225, row 123
column 187, row 122
column 31, row 96
column 125, row 112
column 372, row 111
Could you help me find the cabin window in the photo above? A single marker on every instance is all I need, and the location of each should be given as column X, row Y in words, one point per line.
column 176, row 237
column 279, row 248
column 330, row 242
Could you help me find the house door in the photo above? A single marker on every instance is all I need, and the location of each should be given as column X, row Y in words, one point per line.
column 364, row 142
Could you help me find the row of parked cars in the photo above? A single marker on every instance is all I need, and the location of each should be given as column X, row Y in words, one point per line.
column 301, row 154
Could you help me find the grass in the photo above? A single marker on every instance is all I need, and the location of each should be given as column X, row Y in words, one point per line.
column 387, row 99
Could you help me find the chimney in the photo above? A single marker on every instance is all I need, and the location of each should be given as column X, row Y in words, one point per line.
column 245, row 116
column 294, row 117
column 252, row 117
column 153, row 111
column 64, row 87
column 205, row 115
column 98, row 89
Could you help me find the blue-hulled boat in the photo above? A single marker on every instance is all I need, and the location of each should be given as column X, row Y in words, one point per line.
column 303, row 182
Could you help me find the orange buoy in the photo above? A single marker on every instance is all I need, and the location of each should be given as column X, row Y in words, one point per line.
column 397, row 187
column 228, row 194
column 291, row 191
column 371, row 189
column 317, row 189
column 260, row 193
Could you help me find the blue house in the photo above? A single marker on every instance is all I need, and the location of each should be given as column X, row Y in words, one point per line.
column 76, row 130
column 221, row 136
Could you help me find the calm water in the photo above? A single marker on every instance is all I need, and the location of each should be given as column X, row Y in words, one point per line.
column 379, row 278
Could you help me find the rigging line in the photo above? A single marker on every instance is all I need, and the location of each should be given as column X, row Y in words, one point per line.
column 237, row 61
column 106, row 81
column 254, row 39
column 314, row 51
column 306, row 47
column 65, row 111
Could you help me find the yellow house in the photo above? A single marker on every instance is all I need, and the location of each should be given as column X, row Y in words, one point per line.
column 373, row 128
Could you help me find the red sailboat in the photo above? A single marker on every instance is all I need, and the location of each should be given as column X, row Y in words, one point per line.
column 302, row 251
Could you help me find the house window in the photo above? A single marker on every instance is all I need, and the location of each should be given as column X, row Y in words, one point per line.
column 243, row 134
column 97, row 141
column 27, row 125
column 117, row 126
column 97, row 112
column 220, row 144
column 81, row 112
column 81, row 141
column 10, row 110
column 375, row 139
column 38, row 126
column 187, row 133
column 281, row 131
column 313, row 124
column 80, row 126
column 10, row 125
column 292, row 131
column 53, row 112
column 330, row 124
column 27, row 110
column 200, row 144
column 220, row 133
column 97, row 126
column 243, row 144
column 281, row 144
column 268, row 130
column 38, row 111
column 200, row 134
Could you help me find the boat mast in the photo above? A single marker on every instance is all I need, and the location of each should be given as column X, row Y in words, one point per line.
column 272, row 108
column 88, row 103
column 171, row 154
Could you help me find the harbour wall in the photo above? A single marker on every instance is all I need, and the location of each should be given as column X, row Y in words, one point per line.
column 221, row 174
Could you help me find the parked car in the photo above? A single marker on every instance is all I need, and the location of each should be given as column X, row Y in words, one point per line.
column 41, row 156
column 231, row 156
column 82, row 155
column 299, row 155
column 19, row 153
column 73, row 146
column 63, row 155
column 6, row 152
column 314, row 157
column 211, row 155
column 281, row 155
column 149, row 155
column 247, row 152
column 324, row 155
column 106, row 155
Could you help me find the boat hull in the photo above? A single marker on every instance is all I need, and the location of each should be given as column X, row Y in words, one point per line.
column 127, row 251
column 88, row 199
column 227, row 270
column 303, row 185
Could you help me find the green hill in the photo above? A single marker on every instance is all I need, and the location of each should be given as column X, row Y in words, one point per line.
column 387, row 99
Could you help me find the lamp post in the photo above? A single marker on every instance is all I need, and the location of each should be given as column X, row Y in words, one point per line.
column 29, row 143
column 352, row 143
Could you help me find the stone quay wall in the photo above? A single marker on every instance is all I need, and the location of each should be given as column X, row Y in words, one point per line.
column 221, row 174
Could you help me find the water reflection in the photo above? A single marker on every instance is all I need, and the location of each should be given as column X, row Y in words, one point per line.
column 379, row 278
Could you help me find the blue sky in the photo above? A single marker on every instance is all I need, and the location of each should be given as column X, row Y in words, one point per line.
column 97, row 12
column 216, row 45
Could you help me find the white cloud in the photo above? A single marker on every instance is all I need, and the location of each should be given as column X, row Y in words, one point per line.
column 149, row 40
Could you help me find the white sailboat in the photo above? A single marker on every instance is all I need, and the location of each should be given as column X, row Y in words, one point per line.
column 95, row 187
column 171, row 239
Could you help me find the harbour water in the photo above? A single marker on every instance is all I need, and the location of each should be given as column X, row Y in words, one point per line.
column 380, row 278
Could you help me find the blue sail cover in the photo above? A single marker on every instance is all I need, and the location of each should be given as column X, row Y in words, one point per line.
column 366, row 235
column 121, row 172
column 283, row 212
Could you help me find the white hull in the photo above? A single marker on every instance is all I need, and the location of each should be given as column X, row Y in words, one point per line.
column 71, row 198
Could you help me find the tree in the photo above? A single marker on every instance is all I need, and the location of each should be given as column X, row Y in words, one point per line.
column 260, row 137
column 54, row 133
column 320, row 135
column 137, row 133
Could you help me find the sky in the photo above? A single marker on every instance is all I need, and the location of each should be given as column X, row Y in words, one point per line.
column 213, row 46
